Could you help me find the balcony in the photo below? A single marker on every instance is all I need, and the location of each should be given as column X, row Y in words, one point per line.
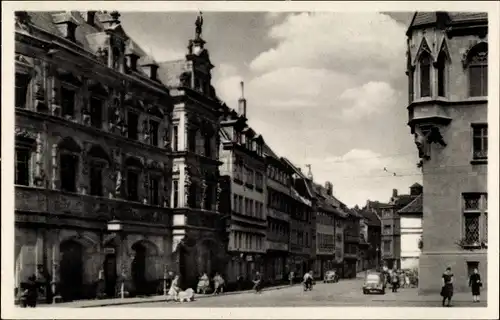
column 54, row 203
column 429, row 112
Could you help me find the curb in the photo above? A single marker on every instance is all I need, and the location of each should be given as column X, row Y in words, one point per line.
column 119, row 302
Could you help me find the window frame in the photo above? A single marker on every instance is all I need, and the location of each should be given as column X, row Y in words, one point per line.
column 175, row 193
column 442, row 79
column 136, row 128
column 154, row 135
column 481, row 65
column 101, row 106
column 102, row 165
column 484, row 144
column 65, row 86
column 426, row 58
column 30, row 165
column 480, row 212
column 137, row 172
column 175, row 137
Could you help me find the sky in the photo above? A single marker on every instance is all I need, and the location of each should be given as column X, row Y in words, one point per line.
column 325, row 89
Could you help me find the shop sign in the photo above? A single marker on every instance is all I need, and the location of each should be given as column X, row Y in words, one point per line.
column 249, row 258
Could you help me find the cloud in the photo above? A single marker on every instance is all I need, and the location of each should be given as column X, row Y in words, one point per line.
column 359, row 175
column 348, row 42
column 370, row 98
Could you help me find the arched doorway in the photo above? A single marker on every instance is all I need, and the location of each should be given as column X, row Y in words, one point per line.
column 71, row 270
column 110, row 274
column 138, row 268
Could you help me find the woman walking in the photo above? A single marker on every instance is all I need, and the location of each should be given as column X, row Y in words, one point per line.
column 475, row 284
column 447, row 289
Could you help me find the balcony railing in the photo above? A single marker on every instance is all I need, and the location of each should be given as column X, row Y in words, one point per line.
column 29, row 199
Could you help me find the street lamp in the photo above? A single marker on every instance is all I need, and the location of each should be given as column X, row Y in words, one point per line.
column 116, row 226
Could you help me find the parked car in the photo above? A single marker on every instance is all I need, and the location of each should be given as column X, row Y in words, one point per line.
column 331, row 276
column 374, row 282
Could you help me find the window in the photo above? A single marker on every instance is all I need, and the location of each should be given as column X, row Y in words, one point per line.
column 192, row 140
column 240, row 205
column 193, row 195
column 425, row 75
column 175, row 190
column 67, row 102
column 154, row 190
column 441, row 74
column 96, row 113
column 22, row 82
column 208, row 146
column 133, row 124
column 387, row 229
column 480, row 141
column 478, row 71
column 132, row 185
column 387, row 246
column 475, row 219
column 69, row 165
column 153, row 128
column 235, row 203
column 208, row 197
column 96, row 175
column 23, row 166
column 175, row 138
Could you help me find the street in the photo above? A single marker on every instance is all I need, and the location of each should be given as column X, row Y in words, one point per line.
column 344, row 293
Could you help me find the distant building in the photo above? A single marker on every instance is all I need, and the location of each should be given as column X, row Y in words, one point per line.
column 364, row 245
column 447, row 68
column 246, row 190
column 351, row 241
column 411, row 233
column 280, row 204
column 371, row 214
column 328, row 217
column 391, row 227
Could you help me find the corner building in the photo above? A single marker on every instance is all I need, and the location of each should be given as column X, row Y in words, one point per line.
column 198, row 244
column 448, row 101
column 92, row 162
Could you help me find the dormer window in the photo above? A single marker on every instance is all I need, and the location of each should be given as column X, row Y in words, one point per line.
column 66, row 24
column 91, row 17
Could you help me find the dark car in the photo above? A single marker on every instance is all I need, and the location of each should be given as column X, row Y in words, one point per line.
column 374, row 282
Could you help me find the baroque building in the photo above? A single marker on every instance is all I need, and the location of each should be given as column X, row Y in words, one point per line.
column 92, row 158
column 198, row 244
column 244, row 191
column 447, row 68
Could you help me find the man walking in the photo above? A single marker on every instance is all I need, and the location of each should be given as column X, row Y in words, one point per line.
column 257, row 282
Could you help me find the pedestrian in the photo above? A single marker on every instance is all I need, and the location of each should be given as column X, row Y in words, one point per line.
column 203, row 283
column 31, row 292
column 394, row 281
column 257, row 282
column 308, row 280
column 475, row 284
column 407, row 280
column 447, row 288
column 218, row 284
column 291, row 275
column 174, row 288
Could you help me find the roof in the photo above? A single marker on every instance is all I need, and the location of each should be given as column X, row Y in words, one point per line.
column 326, row 201
column 403, row 200
column 416, row 185
column 269, row 152
column 45, row 21
column 169, row 72
column 421, row 19
column 371, row 217
column 378, row 205
column 416, row 206
column 301, row 175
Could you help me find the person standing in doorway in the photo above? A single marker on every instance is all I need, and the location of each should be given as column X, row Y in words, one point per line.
column 447, row 289
column 475, row 284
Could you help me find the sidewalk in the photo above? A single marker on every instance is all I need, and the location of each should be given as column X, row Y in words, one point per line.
column 411, row 295
column 119, row 301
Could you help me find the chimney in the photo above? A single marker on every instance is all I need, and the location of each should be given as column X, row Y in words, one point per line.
column 309, row 172
column 91, row 17
column 394, row 193
column 329, row 188
column 242, row 102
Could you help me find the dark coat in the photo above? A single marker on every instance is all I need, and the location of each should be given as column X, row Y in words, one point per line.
column 475, row 284
column 447, row 290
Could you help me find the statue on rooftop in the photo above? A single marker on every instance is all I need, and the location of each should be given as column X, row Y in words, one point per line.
column 199, row 25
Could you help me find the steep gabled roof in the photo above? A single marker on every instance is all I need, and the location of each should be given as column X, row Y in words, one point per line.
column 301, row 175
column 371, row 217
column 424, row 19
column 403, row 200
column 416, row 206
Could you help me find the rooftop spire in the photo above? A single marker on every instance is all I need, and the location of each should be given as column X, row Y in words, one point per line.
column 199, row 25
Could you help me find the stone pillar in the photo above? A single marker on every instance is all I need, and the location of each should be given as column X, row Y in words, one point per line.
column 218, row 197
column 39, row 176
column 55, row 166
column 116, row 176
column 55, row 266
column 204, row 194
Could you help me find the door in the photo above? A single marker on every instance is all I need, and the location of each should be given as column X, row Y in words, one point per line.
column 139, row 269
column 110, row 275
column 71, row 270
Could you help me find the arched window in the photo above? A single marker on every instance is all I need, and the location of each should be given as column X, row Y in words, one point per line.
column 425, row 75
column 441, row 74
column 69, row 154
column 477, row 60
column 134, row 167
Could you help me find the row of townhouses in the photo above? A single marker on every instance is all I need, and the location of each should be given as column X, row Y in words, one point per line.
column 127, row 169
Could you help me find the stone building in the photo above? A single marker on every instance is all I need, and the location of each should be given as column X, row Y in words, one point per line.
column 92, row 158
column 372, row 218
column 391, row 226
column 198, row 244
column 329, row 234
column 279, row 207
column 411, row 233
column 351, row 241
column 244, row 168
column 302, row 223
column 447, row 68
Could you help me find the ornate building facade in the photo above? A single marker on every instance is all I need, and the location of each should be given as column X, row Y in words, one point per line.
column 447, row 68
column 198, row 245
column 244, row 171
column 92, row 166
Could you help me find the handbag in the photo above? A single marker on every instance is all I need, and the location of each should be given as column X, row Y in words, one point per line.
column 442, row 291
